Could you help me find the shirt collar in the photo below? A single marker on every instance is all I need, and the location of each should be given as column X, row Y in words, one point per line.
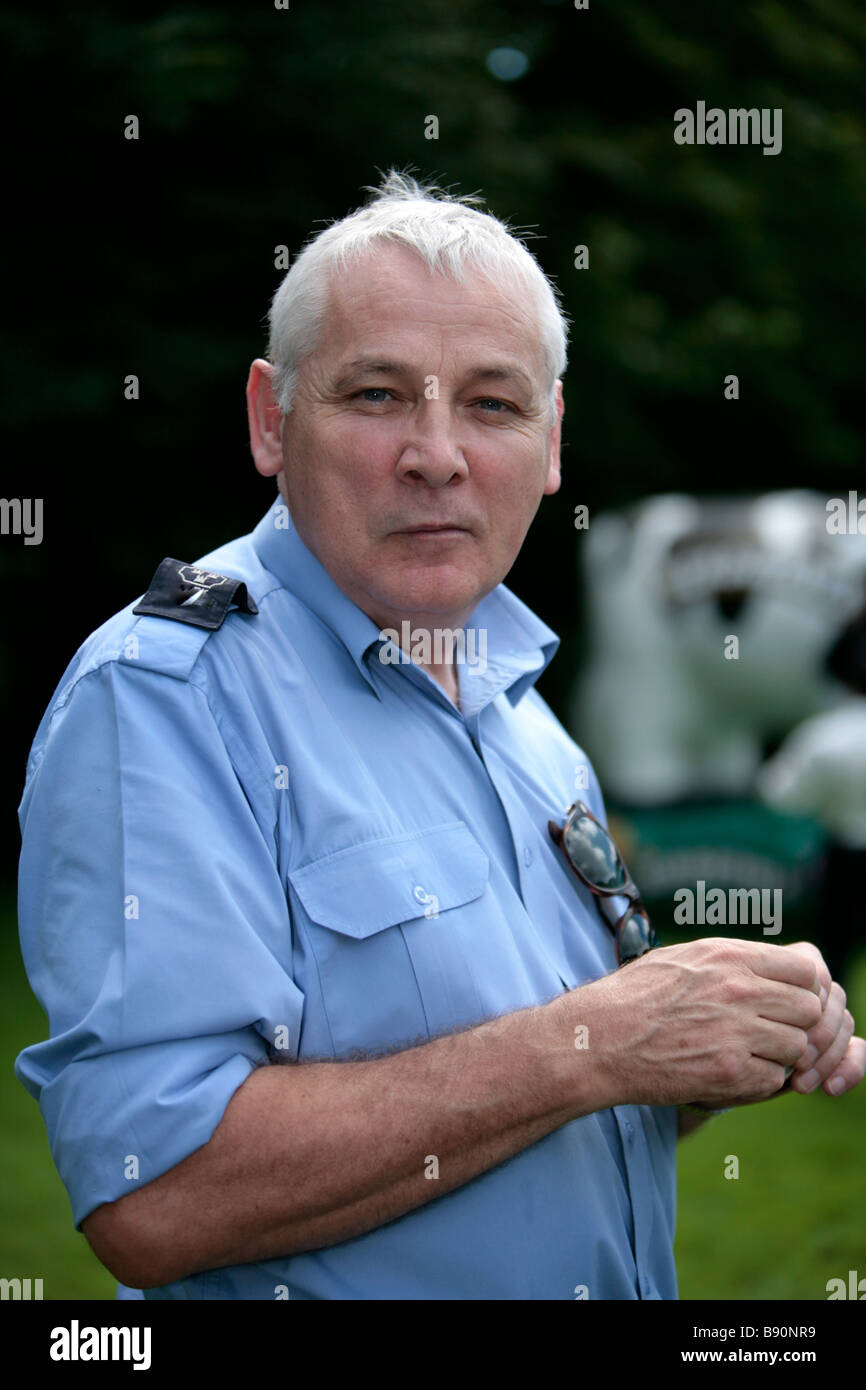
column 519, row 646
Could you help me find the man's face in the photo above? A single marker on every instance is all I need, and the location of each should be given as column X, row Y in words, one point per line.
column 419, row 445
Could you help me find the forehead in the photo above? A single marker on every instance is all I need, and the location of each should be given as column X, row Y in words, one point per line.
column 389, row 294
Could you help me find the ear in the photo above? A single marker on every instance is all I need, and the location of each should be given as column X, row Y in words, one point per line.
column 553, row 473
column 265, row 419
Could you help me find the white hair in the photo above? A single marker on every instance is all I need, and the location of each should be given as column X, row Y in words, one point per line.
column 449, row 233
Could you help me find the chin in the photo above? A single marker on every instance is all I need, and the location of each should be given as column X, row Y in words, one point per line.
column 431, row 600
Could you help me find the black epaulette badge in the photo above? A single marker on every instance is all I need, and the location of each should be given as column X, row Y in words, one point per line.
column 192, row 595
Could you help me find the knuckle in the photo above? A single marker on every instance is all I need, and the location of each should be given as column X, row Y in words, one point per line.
column 812, row 1006
column 797, row 1047
column 807, row 959
column 710, row 948
column 723, row 948
column 729, row 1067
column 779, row 1079
column 738, row 988
column 822, row 1036
column 768, row 1080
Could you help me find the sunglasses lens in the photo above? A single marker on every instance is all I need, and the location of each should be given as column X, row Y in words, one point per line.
column 592, row 850
column 635, row 935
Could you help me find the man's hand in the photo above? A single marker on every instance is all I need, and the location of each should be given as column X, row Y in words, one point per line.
column 715, row 1021
column 834, row 1058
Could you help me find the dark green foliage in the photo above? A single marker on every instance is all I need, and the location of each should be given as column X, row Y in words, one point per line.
column 156, row 257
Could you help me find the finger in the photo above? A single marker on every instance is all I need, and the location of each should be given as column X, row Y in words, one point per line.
column 826, row 1030
column 776, row 1042
column 810, row 950
column 851, row 1069
column 798, row 1007
column 789, row 965
column 760, row 1079
column 827, row 1063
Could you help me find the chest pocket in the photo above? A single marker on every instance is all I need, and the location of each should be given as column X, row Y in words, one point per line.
column 391, row 925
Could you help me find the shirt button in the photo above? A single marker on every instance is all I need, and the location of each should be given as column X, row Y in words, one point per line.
column 629, row 1129
column 421, row 895
column 527, row 855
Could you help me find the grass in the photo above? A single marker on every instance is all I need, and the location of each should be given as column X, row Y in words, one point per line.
column 37, row 1237
column 794, row 1218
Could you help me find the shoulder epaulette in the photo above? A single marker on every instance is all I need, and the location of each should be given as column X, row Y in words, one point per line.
column 192, row 595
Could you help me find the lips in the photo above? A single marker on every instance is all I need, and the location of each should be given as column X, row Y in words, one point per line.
column 432, row 526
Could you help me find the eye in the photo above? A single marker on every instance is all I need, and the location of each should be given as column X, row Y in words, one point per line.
column 498, row 406
column 369, row 392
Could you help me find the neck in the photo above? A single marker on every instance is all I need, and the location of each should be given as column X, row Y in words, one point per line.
column 432, row 648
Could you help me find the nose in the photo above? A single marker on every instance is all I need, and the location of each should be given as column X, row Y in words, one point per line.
column 432, row 451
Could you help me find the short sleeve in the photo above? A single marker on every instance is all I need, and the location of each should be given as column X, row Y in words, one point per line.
column 155, row 931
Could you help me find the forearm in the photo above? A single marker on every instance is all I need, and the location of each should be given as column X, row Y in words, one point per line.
column 313, row 1154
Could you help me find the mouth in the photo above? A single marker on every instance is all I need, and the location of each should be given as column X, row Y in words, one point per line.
column 434, row 529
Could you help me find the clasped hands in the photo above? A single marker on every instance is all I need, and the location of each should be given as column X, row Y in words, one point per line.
column 834, row 1058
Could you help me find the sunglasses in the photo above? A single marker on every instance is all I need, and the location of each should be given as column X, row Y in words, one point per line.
column 592, row 855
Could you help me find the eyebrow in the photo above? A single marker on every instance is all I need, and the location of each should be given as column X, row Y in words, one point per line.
column 367, row 366
column 375, row 366
column 503, row 372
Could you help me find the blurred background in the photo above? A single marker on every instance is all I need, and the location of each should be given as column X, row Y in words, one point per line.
column 707, row 512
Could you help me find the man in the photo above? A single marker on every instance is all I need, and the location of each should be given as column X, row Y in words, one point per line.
column 262, row 834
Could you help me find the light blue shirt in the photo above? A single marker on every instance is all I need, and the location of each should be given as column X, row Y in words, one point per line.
column 263, row 841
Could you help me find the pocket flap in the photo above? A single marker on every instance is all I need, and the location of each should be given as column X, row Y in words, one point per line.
column 361, row 890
